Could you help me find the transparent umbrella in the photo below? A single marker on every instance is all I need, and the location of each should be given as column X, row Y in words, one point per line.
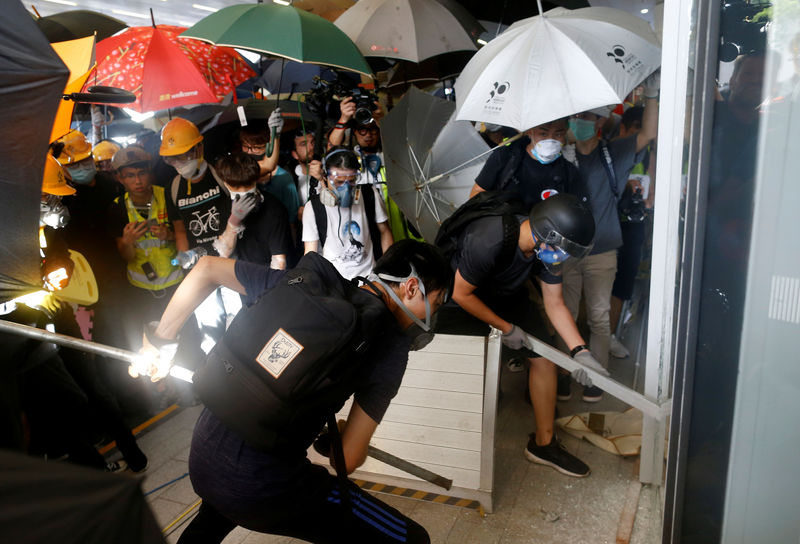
column 431, row 159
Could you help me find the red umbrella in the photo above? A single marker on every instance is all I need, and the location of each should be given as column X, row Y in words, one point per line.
column 166, row 71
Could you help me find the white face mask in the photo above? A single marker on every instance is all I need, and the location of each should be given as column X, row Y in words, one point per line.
column 190, row 169
column 546, row 151
column 242, row 193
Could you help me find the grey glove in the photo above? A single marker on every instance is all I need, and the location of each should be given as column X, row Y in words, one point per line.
column 275, row 120
column 242, row 206
column 652, row 84
column 587, row 359
column 516, row 338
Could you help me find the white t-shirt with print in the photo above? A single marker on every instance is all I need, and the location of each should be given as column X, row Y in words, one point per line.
column 303, row 184
column 348, row 244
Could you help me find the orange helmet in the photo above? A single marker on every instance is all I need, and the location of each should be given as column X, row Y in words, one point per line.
column 76, row 148
column 179, row 136
column 104, row 151
column 54, row 182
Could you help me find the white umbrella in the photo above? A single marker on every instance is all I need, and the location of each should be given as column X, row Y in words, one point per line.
column 557, row 64
column 404, row 29
column 431, row 159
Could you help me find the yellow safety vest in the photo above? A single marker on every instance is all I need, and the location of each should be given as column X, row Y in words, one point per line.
column 149, row 249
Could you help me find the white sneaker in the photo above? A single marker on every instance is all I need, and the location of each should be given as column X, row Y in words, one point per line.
column 617, row 350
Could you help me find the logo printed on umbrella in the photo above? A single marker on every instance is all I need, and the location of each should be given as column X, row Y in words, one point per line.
column 498, row 89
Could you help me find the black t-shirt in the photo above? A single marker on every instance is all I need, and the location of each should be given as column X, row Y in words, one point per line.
column 204, row 209
column 478, row 252
column 266, row 233
column 226, row 471
column 532, row 180
column 87, row 230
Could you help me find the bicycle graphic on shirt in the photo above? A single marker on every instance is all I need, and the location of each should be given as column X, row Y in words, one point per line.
column 202, row 222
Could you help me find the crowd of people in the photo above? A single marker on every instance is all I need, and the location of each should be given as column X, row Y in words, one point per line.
column 553, row 219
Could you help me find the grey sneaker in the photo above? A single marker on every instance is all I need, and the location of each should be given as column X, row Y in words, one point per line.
column 116, row 466
column 554, row 455
column 617, row 350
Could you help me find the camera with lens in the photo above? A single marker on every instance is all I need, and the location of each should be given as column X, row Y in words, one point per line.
column 743, row 29
column 323, row 93
column 631, row 206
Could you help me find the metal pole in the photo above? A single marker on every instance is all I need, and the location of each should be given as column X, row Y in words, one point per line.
column 409, row 467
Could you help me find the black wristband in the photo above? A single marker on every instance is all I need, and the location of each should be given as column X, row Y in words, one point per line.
column 577, row 349
column 340, row 125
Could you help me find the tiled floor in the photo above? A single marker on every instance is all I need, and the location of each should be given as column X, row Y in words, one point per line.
column 533, row 504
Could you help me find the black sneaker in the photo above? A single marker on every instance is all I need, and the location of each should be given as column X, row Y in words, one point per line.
column 556, row 456
column 592, row 394
column 564, row 387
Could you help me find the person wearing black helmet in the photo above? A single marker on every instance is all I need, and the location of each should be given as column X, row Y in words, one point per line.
column 492, row 291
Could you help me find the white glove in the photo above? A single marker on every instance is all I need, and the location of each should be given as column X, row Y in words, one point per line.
column 652, row 84
column 155, row 355
column 587, row 359
column 275, row 120
column 516, row 338
column 241, row 207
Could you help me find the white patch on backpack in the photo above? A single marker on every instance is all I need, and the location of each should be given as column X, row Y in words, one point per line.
column 278, row 353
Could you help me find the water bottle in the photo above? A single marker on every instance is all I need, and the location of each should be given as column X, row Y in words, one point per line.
column 187, row 259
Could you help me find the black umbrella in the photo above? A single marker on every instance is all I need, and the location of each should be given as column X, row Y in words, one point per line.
column 32, row 79
column 507, row 12
column 70, row 25
column 60, row 502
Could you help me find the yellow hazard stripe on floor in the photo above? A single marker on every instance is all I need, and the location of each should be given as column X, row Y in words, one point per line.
column 139, row 428
column 418, row 495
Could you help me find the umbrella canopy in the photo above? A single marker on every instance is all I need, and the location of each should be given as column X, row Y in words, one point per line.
column 80, row 23
column 430, row 71
column 327, row 9
column 557, row 64
column 296, row 77
column 78, row 55
column 165, row 71
column 32, row 79
column 421, row 142
column 40, row 500
column 282, row 31
column 404, row 29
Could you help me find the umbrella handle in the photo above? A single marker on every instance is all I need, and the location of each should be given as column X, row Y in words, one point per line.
column 271, row 144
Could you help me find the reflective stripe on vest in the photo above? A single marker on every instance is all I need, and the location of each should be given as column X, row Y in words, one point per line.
column 149, row 249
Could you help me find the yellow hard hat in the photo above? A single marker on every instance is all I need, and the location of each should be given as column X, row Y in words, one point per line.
column 54, row 182
column 76, row 148
column 179, row 136
column 104, row 151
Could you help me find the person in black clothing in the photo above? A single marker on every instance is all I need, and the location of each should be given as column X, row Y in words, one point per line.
column 492, row 293
column 285, row 493
column 532, row 167
column 262, row 236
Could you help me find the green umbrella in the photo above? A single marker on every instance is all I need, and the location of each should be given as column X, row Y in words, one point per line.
column 282, row 31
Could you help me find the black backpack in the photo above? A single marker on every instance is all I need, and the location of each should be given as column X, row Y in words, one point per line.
column 484, row 204
column 293, row 357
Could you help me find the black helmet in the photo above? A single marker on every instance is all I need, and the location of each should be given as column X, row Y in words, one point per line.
column 565, row 222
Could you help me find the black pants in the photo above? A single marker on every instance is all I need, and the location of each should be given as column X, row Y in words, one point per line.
column 316, row 516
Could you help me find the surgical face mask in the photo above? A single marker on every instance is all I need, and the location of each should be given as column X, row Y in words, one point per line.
column 53, row 213
column 546, row 151
column 188, row 168
column 582, row 129
column 242, row 194
column 82, row 173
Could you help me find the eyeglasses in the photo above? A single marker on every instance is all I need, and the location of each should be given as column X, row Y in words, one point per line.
column 246, row 147
column 364, row 130
column 341, row 179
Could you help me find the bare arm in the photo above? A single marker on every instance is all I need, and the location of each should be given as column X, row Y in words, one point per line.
column 225, row 243
column 278, row 262
column 208, row 274
column 464, row 295
column 268, row 165
column 386, row 235
column 649, row 124
column 475, row 190
column 559, row 314
column 347, row 108
column 356, row 435
column 181, row 241
column 308, row 247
